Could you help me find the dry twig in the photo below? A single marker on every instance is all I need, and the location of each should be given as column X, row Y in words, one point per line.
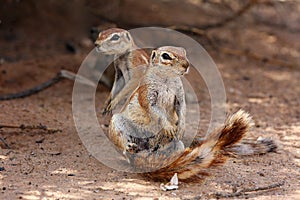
column 63, row 74
column 33, row 90
column 246, row 191
column 5, row 143
column 31, row 127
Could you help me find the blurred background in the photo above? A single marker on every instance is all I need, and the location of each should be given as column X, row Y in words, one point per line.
column 31, row 28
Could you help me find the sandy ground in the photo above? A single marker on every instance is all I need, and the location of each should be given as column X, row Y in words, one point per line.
column 41, row 165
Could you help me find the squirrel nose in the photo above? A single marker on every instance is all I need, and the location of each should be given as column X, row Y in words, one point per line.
column 185, row 64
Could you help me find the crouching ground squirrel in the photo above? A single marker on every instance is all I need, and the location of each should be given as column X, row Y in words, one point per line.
column 149, row 128
column 129, row 62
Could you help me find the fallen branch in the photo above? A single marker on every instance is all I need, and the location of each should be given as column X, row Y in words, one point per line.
column 245, row 191
column 33, row 90
column 31, row 127
column 5, row 143
column 63, row 74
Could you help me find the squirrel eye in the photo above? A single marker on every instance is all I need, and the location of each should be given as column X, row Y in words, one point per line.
column 166, row 56
column 115, row 37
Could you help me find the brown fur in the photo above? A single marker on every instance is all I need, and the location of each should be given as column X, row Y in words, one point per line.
column 137, row 58
column 104, row 34
column 142, row 97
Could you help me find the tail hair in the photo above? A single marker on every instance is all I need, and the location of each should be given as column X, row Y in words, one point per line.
column 250, row 147
column 194, row 162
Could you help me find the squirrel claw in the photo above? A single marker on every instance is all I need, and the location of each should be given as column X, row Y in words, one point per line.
column 107, row 110
column 107, row 107
column 170, row 132
column 132, row 147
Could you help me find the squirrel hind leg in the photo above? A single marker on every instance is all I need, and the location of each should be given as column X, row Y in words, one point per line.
column 126, row 135
column 119, row 130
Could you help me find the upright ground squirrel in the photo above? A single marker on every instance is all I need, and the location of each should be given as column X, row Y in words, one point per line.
column 149, row 128
column 129, row 62
column 155, row 112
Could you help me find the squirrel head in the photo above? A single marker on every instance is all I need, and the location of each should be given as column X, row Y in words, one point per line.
column 173, row 58
column 114, row 41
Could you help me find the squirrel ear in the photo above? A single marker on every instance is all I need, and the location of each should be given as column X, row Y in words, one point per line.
column 127, row 36
column 153, row 54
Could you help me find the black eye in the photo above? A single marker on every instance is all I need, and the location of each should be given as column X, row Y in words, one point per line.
column 115, row 37
column 166, row 56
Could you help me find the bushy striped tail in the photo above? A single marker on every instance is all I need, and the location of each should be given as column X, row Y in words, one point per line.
column 194, row 162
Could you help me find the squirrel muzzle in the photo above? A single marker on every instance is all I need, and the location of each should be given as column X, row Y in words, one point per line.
column 185, row 65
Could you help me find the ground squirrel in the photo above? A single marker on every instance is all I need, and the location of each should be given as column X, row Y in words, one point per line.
column 129, row 62
column 156, row 109
column 149, row 128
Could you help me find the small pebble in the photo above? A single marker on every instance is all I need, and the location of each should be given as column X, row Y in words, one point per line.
column 54, row 153
column 246, row 78
column 260, row 173
column 39, row 141
column 71, row 174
